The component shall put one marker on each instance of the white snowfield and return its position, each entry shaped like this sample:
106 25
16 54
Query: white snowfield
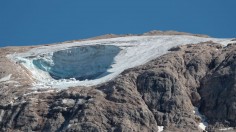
93 62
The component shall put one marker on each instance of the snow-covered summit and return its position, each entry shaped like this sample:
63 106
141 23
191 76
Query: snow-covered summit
93 62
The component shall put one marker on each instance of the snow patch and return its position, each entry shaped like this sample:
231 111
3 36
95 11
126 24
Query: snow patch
69 102
81 101
202 124
69 126
1 115
17 85
6 78
160 128
12 103
39 92
93 62
226 129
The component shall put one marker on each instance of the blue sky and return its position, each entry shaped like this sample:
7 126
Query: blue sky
31 22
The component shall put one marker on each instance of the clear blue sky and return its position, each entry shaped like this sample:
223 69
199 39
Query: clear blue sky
30 22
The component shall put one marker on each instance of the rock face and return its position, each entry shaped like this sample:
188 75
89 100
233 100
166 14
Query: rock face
162 92
218 88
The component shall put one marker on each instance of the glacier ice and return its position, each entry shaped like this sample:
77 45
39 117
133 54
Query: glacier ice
92 62
81 63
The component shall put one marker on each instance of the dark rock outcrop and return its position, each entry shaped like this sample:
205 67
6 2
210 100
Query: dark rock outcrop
218 88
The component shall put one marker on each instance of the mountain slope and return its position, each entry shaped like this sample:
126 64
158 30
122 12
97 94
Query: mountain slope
155 89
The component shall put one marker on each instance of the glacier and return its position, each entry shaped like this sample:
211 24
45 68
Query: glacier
79 63
92 62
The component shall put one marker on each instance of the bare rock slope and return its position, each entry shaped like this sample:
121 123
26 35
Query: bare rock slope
164 92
